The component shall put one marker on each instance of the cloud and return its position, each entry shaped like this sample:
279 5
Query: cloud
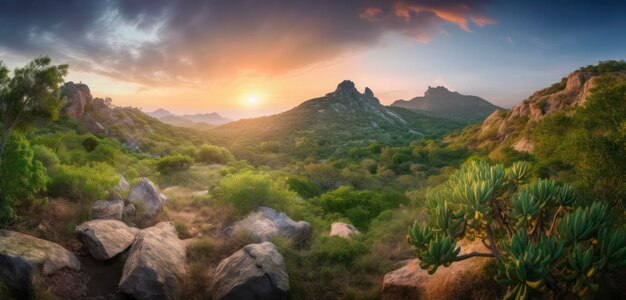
194 42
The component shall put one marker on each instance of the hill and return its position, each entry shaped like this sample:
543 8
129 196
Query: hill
442 103
337 120
206 120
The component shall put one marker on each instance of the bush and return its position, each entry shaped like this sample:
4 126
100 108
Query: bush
336 250
21 176
90 143
303 186
85 183
46 156
174 163
210 154
248 190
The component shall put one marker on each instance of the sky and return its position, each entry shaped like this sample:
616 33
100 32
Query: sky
246 58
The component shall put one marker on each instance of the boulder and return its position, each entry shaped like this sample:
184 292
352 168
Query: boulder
146 195
22 256
129 211
155 264
255 272
77 98
112 210
267 223
344 230
453 282
105 239
120 191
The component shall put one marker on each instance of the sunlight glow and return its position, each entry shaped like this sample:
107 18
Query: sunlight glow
252 100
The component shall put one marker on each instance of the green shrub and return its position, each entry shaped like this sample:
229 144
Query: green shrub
174 163
85 183
46 156
336 250
210 154
303 186
90 143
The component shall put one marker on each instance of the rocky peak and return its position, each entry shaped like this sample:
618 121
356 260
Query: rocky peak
368 93
435 91
78 98
346 88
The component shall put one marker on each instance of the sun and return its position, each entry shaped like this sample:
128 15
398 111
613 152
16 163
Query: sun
252 100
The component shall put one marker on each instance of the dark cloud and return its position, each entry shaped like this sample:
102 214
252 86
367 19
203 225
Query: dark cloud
160 41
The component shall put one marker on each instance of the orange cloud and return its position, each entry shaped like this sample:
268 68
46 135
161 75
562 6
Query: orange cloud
457 14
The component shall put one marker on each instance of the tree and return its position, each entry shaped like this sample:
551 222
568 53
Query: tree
174 163
29 96
211 154
541 242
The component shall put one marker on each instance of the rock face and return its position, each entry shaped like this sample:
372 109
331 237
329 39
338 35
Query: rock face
112 210
78 98
255 272
155 264
267 223
120 191
454 282
344 230
106 238
147 197
22 256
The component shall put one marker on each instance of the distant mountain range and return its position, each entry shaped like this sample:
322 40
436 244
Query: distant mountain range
442 103
342 117
197 120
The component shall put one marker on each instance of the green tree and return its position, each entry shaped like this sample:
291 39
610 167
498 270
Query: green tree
211 154
22 177
28 96
541 242
174 163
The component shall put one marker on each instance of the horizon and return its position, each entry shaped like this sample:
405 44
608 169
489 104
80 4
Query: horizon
192 56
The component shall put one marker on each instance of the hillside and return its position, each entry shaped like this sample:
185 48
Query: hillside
339 118
513 128
440 102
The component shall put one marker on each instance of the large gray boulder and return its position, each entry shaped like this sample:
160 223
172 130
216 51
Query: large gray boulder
105 239
120 191
155 264
147 199
343 230
267 223
23 256
255 272
111 210
77 98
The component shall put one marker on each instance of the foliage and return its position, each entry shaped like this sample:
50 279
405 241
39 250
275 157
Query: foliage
90 143
210 154
21 177
247 191
337 250
540 241
86 183
174 163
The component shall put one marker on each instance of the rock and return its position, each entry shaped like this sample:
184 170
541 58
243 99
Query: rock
78 98
105 239
454 282
155 264
344 230
23 256
147 196
255 272
120 191
267 223
129 211
112 210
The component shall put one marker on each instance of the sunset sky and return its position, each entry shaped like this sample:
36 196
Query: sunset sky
246 58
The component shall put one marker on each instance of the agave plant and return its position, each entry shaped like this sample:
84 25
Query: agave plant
541 241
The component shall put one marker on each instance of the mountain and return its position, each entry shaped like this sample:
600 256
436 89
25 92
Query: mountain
440 102
206 120
513 128
338 119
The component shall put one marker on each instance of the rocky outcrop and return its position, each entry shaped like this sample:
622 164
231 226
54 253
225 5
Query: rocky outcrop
255 272
344 230
24 257
105 239
148 199
78 98
267 223
112 210
120 191
453 282
155 264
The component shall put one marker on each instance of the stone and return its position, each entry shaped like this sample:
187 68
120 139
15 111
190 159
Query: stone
267 223
23 256
129 211
344 230
453 282
155 264
112 210
120 191
147 197
255 272
77 98
105 239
